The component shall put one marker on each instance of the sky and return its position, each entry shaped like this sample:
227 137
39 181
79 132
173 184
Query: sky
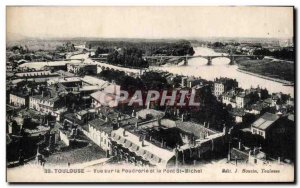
150 22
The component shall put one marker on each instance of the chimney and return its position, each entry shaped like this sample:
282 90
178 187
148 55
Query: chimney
136 125
224 130
240 145
143 144
204 123
124 132
162 143
182 117
208 125
278 160
249 156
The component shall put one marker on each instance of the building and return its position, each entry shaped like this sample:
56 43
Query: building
36 74
90 80
241 100
87 69
238 115
263 124
136 150
190 81
19 99
246 155
99 131
65 81
48 104
228 98
107 97
222 85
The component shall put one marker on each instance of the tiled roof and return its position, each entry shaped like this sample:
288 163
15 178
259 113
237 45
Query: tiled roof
101 125
154 154
265 121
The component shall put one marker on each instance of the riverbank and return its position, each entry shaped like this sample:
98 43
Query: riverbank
266 77
277 70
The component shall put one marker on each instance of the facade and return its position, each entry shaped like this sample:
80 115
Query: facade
18 99
81 68
36 74
53 105
241 100
136 150
99 132
222 85
229 99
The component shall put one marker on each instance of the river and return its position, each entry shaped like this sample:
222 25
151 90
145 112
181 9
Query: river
220 68
196 67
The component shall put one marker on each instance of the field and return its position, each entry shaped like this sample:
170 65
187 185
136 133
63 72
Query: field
267 67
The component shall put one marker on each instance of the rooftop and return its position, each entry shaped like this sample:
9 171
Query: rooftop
265 121
95 81
154 154
106 99
196 129
101 125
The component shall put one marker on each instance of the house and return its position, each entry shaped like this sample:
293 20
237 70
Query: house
48 104
82 68
90 80
228 98
222 85
135 149
238 115
99 131
246 155
263 124
241 100
107 97
190 81
36 74
19 99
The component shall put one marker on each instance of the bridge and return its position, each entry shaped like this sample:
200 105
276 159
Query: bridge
80 59
208 57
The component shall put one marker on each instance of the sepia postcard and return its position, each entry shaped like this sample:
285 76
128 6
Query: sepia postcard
150 94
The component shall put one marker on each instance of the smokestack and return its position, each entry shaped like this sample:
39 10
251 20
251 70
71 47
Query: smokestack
143 144
249 156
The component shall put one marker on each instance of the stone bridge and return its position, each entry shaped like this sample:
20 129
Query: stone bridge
208 57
